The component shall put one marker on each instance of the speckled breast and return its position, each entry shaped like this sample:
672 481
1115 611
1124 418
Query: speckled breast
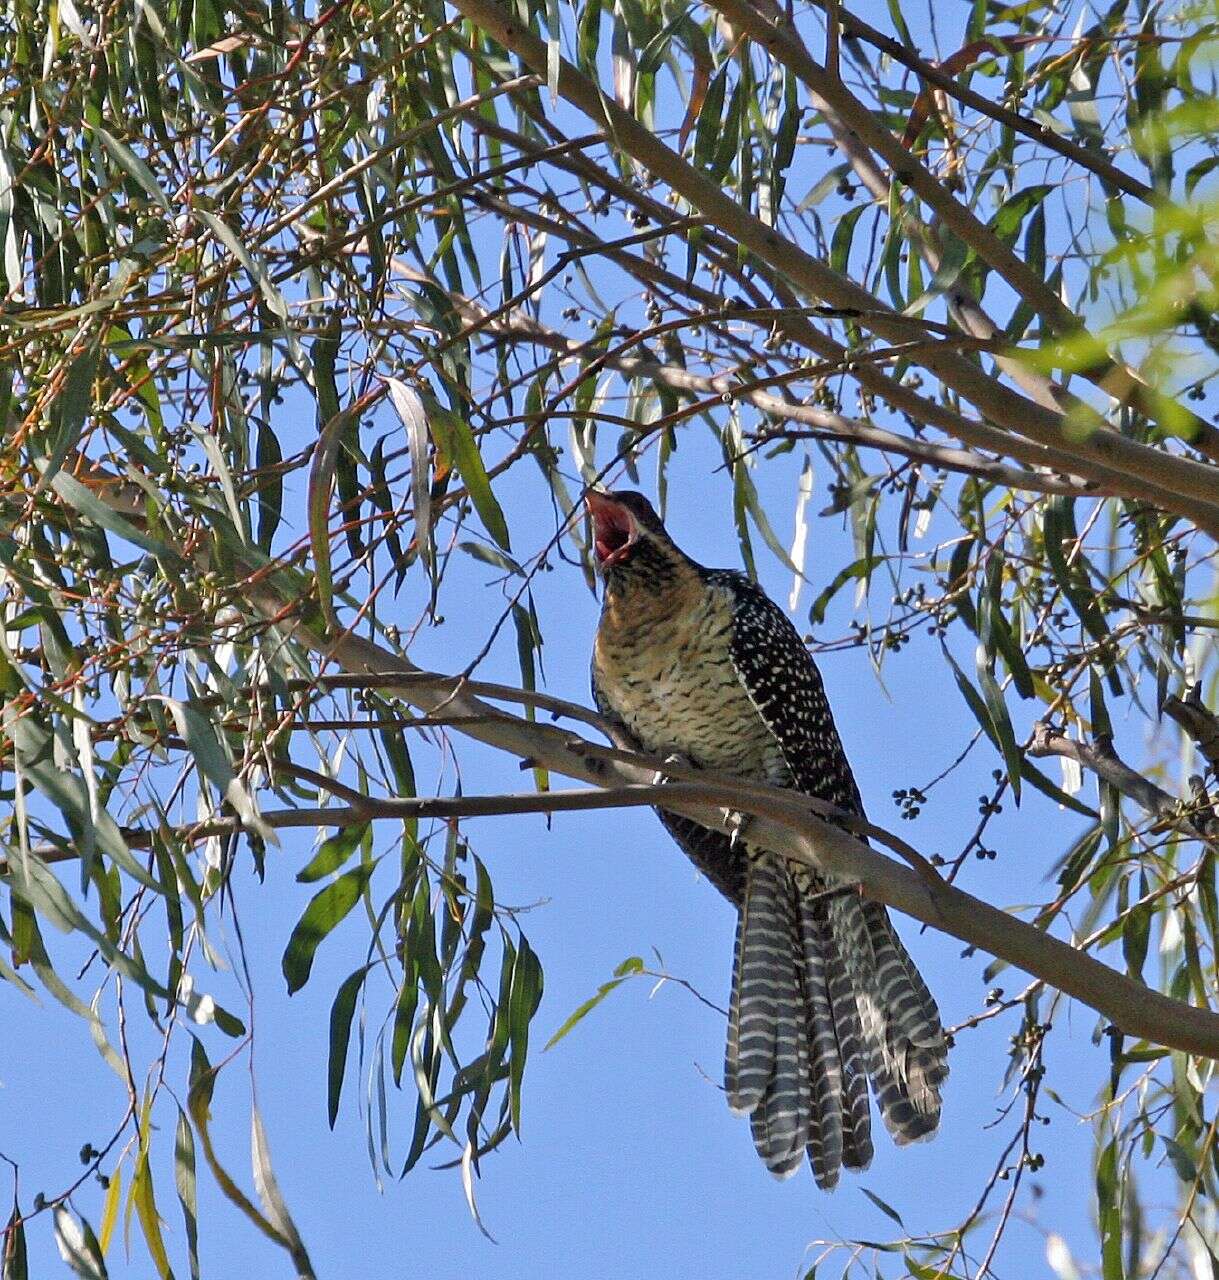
671 679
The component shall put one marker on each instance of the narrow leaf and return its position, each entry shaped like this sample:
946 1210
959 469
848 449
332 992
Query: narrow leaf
324 912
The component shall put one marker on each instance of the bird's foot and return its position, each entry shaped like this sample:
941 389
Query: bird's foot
673 758
738 823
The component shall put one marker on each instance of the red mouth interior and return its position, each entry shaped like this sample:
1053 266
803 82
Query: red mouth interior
613 531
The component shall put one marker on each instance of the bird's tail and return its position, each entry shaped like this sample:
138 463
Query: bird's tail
906 1049
824 997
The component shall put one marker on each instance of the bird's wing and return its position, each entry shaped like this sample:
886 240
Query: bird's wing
783 683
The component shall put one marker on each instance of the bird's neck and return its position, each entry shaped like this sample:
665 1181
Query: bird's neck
641 594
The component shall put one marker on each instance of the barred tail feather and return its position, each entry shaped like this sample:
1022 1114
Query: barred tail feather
794 1060
824 1000
903 1039
843 1133
760 983
780 1122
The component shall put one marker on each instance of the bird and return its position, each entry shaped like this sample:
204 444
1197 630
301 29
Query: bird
699 664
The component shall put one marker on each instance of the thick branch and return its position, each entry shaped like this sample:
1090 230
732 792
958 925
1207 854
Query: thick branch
785 823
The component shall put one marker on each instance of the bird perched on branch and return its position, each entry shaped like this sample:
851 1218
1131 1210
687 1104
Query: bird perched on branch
700 663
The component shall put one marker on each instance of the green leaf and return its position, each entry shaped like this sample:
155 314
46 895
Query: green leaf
334 851
404 1012
1058 529
68 793
393 743
75 494
410 409
34 884
729 134
270 493
981 709
956 257
254 269
78 1246
203 1084
854 572
321 487
71 408
324 352
523 999
887 1210
325 910
1034 776
1109 1213
760 519
1183 1163
16 1257
133 166
186 1187
996 707
707 133
459 446
341 1013
827 183
1136 932
993 629
272 1198
144 1199
1012 212
840 245
632 965
203 742
922 1270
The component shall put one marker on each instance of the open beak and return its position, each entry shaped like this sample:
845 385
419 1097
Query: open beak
614 529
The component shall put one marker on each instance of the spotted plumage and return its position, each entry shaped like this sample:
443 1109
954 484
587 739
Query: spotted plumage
700 663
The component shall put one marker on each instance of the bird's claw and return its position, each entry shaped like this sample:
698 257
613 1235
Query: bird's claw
738 823
672 758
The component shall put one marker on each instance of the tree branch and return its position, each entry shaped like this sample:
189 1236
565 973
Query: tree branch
782 821
1086 157
785 45
851 117
1100 757
1199 722
825 422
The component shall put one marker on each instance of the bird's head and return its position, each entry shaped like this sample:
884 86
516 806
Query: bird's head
629 541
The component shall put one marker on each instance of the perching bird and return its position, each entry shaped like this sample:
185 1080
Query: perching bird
700 663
